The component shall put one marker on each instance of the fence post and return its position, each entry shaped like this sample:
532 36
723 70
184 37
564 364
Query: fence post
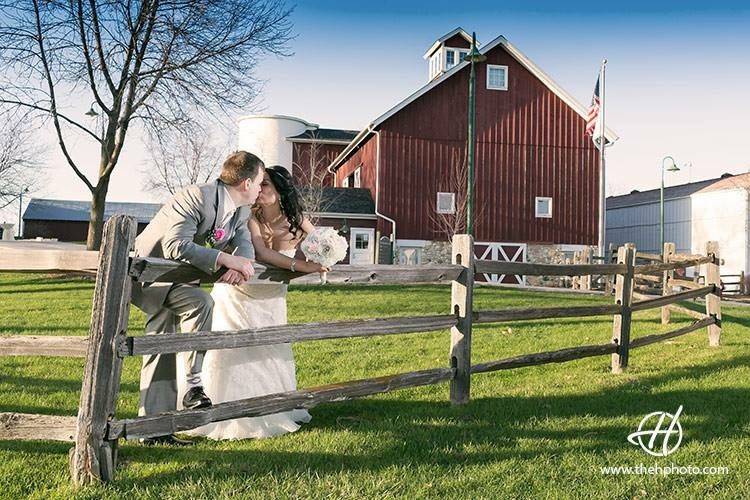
742 282
623 297
586 258
608 279
713 300
93 457
666 283
462 294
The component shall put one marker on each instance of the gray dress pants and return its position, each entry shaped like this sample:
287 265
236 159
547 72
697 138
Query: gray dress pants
190 308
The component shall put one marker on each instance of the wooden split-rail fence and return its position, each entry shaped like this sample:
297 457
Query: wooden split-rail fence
98 428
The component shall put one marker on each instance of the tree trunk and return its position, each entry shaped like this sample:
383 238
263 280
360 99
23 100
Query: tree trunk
96 215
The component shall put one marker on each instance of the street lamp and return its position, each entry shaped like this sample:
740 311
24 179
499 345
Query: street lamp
20 207
672 168
474 57
91 112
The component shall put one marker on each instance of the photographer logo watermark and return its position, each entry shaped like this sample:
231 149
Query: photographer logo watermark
659 433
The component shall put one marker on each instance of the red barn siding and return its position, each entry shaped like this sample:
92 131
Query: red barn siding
529 143
457 42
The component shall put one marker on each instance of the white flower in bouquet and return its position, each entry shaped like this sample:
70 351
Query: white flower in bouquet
326 247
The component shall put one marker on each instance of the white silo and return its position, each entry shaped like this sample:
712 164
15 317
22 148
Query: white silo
265 136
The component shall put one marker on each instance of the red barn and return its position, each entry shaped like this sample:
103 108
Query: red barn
537 175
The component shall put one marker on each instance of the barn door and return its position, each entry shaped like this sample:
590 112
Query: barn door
503 252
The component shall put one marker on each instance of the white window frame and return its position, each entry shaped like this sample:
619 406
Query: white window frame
536 207
452 210
345 182
358 177
452 52
497 66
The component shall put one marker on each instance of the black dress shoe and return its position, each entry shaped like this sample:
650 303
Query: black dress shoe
169 439
195 398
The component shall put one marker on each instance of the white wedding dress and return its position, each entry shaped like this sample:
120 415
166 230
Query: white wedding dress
245 372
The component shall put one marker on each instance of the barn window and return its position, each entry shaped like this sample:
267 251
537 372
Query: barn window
462 54
543 207
446 203
450 59
345 182
357 178
497 77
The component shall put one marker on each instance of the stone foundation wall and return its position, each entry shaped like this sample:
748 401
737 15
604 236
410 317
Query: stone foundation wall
436 252
550 254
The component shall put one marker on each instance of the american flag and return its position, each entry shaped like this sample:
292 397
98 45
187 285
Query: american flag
593 116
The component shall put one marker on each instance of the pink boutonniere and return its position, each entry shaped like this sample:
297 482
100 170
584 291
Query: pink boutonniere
216 236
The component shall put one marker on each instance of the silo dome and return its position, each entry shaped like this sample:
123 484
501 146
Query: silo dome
266 137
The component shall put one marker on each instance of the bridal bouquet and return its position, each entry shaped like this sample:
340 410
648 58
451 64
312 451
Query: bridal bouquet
326 247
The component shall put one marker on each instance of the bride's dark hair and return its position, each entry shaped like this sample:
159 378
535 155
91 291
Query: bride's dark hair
289 197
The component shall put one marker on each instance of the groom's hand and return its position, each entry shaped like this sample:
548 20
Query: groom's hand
232 277
238 264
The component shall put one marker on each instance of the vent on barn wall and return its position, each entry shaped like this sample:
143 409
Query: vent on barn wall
446 203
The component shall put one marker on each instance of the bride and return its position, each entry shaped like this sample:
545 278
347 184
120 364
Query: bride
277 227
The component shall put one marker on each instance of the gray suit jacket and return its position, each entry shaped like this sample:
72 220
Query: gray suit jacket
179 232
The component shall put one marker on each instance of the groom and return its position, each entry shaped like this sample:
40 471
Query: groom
205 226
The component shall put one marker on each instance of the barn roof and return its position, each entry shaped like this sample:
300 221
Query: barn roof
78 211
335 200
347 201
515 53
726 181
328 135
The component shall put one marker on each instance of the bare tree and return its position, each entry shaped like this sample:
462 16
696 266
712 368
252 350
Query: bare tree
181 157
154 62
312 176
20 158
445 225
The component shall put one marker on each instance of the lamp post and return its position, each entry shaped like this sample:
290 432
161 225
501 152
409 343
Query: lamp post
474 57
20 207
672 168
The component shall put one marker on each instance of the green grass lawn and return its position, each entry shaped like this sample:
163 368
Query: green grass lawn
536 432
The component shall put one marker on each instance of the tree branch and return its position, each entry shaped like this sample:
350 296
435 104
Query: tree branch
53 105
39 108
87 57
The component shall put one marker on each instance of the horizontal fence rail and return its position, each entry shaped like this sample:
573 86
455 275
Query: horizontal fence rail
181 342
529 269
42 345
674 264
652 339
24 426
154 270
586 351
649 256
544 313
30 260
541 358
671 299
168 423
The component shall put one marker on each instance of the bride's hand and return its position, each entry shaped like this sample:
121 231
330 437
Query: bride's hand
310 267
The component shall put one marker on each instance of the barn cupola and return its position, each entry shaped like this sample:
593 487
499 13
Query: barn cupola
447 51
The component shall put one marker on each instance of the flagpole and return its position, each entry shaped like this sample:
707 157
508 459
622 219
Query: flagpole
602 172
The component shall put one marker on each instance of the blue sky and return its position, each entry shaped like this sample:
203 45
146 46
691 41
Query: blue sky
677 81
